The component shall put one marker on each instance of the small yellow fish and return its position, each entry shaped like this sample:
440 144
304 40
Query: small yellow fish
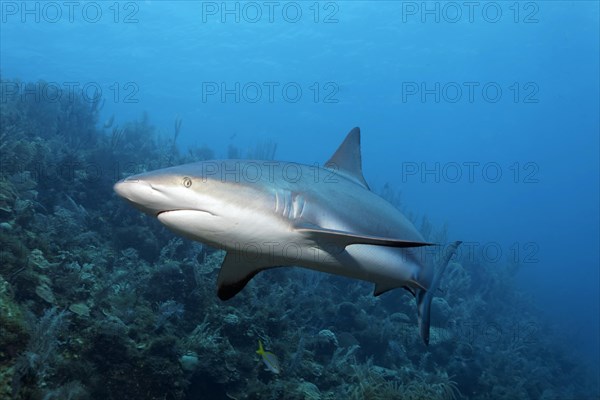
269 359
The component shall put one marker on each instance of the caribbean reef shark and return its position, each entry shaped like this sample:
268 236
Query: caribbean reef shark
267 214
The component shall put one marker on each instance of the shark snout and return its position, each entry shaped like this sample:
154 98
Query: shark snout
142 195
131 189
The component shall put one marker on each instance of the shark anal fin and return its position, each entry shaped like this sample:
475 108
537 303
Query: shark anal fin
347 160
343 239
236 271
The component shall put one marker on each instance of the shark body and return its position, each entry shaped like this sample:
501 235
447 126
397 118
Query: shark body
267 214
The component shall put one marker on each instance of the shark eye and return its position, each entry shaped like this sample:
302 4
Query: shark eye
187 182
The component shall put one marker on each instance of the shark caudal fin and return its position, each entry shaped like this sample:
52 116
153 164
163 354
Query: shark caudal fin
424 297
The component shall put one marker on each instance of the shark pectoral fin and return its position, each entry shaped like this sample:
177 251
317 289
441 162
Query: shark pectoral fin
381 288
343 239
236 271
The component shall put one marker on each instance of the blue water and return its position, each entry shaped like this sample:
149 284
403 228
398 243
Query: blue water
486 121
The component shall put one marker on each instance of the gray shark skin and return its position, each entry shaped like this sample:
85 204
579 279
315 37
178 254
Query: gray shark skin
267 214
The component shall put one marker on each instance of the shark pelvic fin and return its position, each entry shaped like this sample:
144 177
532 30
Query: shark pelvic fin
343 239
424 297
236 271
347 160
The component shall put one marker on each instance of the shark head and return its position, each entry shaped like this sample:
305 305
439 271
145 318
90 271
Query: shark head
179 197
203 201
165 190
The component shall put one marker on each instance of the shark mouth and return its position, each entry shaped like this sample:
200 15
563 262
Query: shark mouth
183 211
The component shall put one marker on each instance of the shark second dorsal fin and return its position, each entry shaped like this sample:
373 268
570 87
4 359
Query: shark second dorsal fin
347 160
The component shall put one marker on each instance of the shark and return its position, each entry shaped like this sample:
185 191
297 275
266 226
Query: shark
268 214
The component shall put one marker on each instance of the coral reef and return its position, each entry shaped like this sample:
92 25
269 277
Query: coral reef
98 301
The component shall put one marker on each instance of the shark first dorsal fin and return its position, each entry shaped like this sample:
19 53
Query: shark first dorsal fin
347 160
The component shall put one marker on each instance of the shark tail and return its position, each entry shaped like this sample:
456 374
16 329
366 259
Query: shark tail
424 297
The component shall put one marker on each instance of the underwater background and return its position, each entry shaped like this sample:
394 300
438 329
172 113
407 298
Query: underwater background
480 121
